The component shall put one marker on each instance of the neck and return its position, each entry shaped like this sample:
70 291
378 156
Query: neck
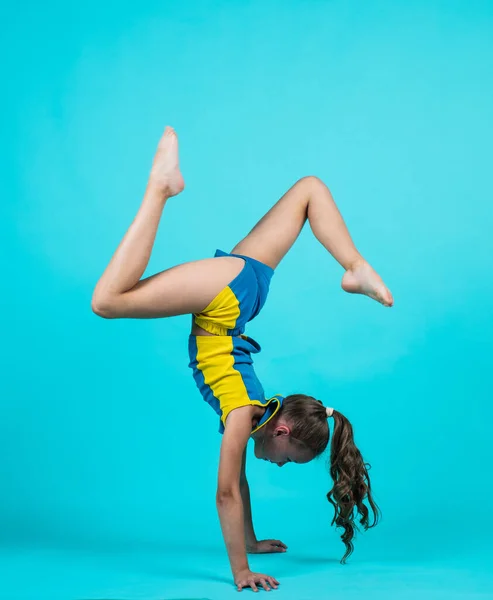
259 435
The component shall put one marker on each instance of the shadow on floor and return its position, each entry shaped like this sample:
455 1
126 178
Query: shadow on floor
313 560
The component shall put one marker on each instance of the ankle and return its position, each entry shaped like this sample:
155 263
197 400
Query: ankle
355 263
157 191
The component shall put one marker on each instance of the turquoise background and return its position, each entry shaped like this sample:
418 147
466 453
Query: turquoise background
109 455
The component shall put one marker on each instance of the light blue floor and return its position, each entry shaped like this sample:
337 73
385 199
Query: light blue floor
39 573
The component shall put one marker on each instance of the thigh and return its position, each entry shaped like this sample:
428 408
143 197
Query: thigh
276 232
183 289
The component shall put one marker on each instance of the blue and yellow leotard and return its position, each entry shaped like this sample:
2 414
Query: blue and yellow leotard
222 364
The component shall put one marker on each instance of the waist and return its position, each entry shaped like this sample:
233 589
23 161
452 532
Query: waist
202 326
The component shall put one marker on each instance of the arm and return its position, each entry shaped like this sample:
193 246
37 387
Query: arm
253 545
229 500
250 537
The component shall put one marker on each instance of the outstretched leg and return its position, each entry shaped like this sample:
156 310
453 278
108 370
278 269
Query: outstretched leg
310 199
186 288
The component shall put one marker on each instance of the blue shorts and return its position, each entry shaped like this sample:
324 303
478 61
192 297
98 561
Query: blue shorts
221 363
240 301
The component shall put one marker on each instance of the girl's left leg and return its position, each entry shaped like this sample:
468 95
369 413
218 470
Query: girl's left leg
309 199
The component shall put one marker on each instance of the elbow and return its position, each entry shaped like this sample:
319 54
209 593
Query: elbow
226 497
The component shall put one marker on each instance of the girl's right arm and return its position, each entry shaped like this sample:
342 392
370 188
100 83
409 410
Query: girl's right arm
228 499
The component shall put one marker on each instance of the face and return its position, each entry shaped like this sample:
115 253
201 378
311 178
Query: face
277 446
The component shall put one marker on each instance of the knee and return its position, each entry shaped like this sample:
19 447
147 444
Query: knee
103 307
311 179
311 182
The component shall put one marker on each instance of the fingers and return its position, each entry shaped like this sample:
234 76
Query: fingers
265 585
266 581
273 582
278 545
247 583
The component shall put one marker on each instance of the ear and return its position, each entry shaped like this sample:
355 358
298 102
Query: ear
282 430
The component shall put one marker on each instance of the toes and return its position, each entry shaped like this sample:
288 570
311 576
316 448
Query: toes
386 297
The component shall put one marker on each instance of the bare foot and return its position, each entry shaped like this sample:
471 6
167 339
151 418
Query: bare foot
165 172
362 279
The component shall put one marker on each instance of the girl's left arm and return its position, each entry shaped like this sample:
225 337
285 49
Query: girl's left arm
253 545
250 537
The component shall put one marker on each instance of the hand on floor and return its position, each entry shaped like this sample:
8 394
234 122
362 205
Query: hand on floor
266 546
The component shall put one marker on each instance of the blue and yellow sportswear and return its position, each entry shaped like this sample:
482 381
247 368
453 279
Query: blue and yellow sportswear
222 363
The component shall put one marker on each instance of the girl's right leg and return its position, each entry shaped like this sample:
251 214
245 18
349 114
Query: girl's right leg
186 288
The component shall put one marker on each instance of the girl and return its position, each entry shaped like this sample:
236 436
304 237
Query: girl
222 294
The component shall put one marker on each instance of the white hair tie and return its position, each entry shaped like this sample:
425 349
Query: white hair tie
329 411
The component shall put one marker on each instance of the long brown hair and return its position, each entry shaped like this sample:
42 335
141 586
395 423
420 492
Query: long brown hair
309 426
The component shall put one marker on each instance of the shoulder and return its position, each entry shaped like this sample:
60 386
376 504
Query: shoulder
235 438
244 416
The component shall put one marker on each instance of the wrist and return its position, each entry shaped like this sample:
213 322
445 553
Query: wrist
251 544
237 569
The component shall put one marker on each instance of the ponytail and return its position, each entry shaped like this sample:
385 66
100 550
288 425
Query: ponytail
351 484
309 421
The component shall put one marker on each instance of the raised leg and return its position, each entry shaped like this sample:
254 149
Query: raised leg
186 288
310 199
